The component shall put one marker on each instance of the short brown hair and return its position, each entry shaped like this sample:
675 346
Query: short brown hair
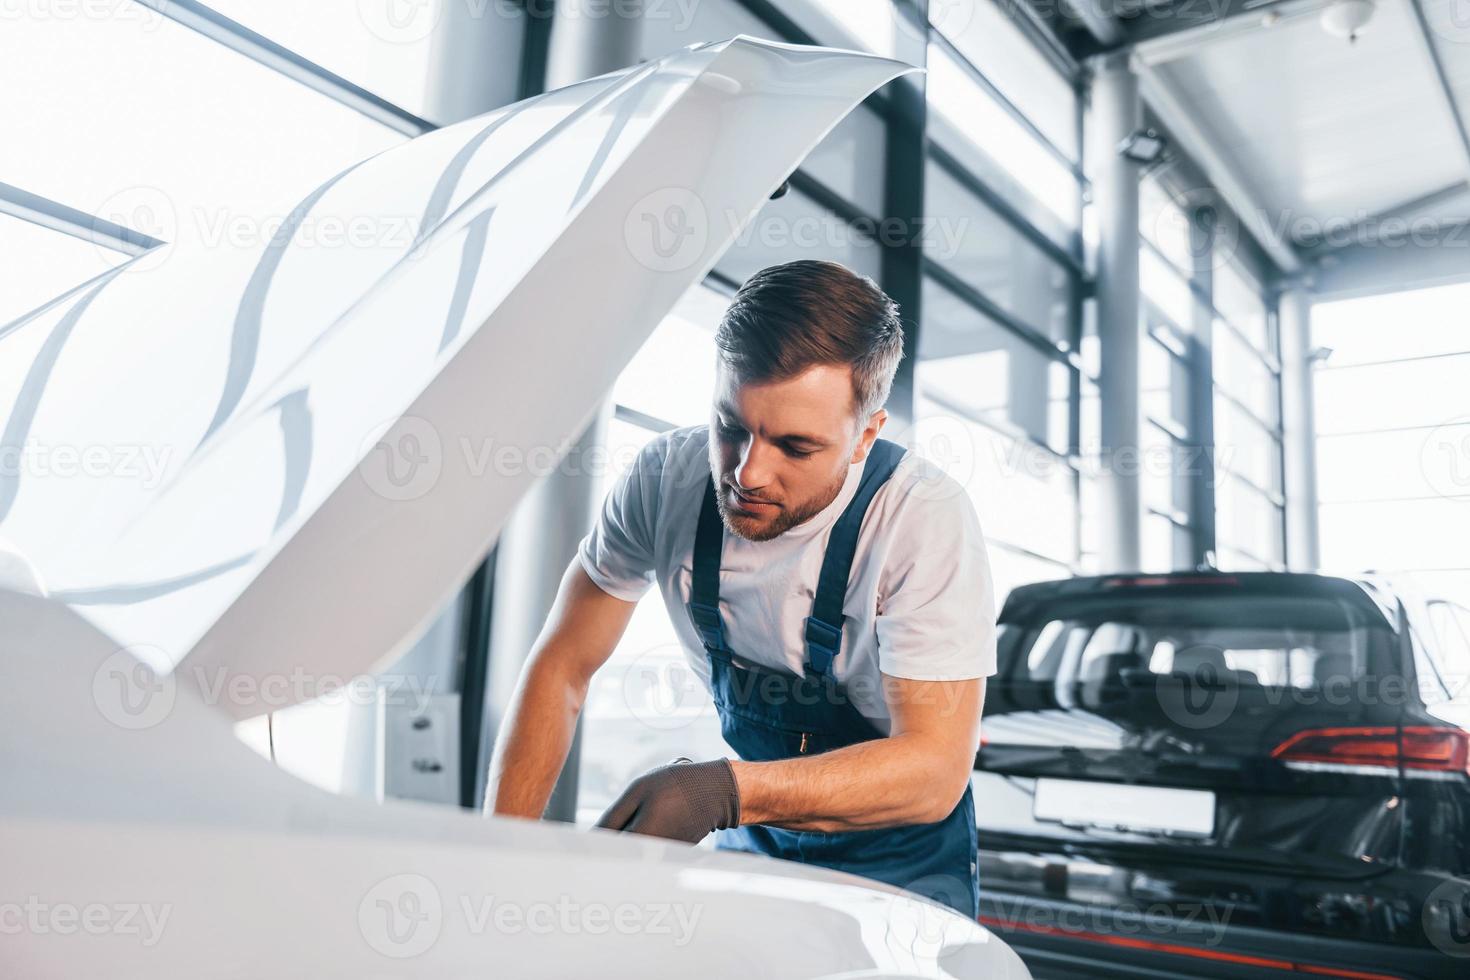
788 318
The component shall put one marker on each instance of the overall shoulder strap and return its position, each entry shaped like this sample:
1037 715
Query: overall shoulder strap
823 632
704 589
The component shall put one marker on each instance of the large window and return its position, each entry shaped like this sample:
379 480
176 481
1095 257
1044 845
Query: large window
186 140
1171 461
990 253
997 376
391 48
1249 495
972 121
982 370
1393 444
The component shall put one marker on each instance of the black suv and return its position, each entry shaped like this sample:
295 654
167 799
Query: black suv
1228 775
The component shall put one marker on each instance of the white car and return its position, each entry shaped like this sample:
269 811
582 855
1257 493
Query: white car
310 509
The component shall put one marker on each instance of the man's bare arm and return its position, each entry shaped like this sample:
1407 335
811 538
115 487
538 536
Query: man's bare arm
581 632
915 775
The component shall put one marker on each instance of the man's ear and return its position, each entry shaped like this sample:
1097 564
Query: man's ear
864 445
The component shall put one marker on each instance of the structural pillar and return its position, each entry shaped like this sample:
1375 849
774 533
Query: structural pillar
1298 429
1204 221
1116 113
470 51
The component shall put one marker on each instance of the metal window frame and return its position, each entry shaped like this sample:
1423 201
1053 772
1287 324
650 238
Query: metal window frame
1278 506
262 50
1011 109
978 301
58 217
1069 259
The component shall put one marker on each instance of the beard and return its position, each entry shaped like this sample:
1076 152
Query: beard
788 515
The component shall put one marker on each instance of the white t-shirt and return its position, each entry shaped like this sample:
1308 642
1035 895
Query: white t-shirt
919 604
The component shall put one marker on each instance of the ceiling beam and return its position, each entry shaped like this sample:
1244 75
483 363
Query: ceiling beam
1044 23
1221 172
1376 268
1157 39
1372 229
1446 92
1099 21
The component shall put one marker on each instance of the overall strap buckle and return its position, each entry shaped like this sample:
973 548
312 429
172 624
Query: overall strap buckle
708 624
823 641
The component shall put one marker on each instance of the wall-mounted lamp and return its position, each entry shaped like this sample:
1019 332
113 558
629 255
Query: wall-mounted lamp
1143 146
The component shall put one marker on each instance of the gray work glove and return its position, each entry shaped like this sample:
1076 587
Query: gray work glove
681 801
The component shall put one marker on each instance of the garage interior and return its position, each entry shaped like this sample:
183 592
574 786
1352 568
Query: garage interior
1185 289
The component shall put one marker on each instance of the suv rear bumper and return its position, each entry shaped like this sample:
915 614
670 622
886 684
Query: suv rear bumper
1066 940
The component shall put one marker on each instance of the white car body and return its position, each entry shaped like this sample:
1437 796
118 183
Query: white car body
276 388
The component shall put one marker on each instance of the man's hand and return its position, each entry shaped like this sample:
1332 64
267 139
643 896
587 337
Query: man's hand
682 801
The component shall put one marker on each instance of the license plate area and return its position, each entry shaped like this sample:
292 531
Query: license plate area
1109 806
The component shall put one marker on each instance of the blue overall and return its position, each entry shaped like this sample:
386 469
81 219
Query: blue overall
774 714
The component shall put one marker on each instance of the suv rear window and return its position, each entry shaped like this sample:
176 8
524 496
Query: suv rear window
1255 640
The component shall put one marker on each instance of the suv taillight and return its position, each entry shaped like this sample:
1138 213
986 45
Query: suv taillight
1419 748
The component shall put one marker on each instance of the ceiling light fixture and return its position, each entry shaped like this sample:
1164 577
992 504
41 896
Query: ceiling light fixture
1347 18
1143 146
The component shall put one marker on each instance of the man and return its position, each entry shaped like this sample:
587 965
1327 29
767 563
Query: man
844 625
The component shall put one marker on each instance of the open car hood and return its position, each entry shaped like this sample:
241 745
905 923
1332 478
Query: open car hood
141 839
287 457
